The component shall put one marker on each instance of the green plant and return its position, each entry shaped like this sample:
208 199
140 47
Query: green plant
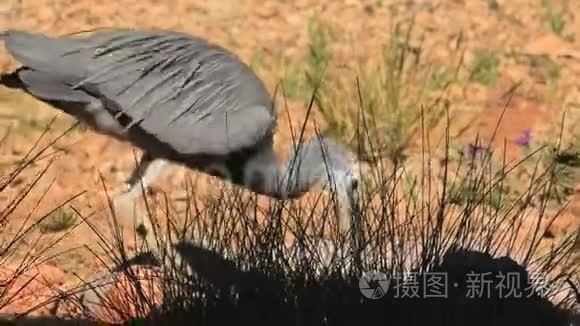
440 77
58 221
563 165
292 79
472 190
292 259
480 178
556 22
387 97
319 52
296 76
559 149
555 19
485 67
18 256
269 253
257 60
492 4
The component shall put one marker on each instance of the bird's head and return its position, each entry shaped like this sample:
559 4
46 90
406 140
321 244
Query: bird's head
320 161
346 178
329 163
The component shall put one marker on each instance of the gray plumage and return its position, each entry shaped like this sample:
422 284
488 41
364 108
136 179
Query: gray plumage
176 96
177 88
180 99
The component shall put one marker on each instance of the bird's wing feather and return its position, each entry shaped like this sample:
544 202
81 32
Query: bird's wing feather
46 87
48 54
191 95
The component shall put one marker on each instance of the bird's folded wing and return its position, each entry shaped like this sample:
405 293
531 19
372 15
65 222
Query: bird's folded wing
191 95
45 87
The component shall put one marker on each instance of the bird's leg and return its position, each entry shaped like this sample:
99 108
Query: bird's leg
145 173
148 169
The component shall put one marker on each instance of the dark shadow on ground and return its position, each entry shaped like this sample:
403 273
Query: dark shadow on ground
250 297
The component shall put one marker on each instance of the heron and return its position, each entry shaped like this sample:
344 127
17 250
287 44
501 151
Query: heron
180 99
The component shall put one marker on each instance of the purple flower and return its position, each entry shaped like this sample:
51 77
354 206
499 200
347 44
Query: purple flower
526 138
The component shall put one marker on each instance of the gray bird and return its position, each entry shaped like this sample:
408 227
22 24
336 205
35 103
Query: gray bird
180 99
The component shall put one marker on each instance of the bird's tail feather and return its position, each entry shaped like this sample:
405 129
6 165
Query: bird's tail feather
41 52
28 48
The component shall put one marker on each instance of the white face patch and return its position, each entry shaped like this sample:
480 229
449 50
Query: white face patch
346 183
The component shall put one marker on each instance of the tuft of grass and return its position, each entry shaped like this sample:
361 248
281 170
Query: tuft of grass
319 52
292 79
469 191
556 21
58 221
13 245
257 60
271 262
485 67
558 149
565 177
565 171
440 77
297 75
492 4
389 97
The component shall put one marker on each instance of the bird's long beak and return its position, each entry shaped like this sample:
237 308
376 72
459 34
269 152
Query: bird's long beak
349 213
355 219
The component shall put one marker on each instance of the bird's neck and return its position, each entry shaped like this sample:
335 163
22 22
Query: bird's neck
304 168
263 173
307 165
